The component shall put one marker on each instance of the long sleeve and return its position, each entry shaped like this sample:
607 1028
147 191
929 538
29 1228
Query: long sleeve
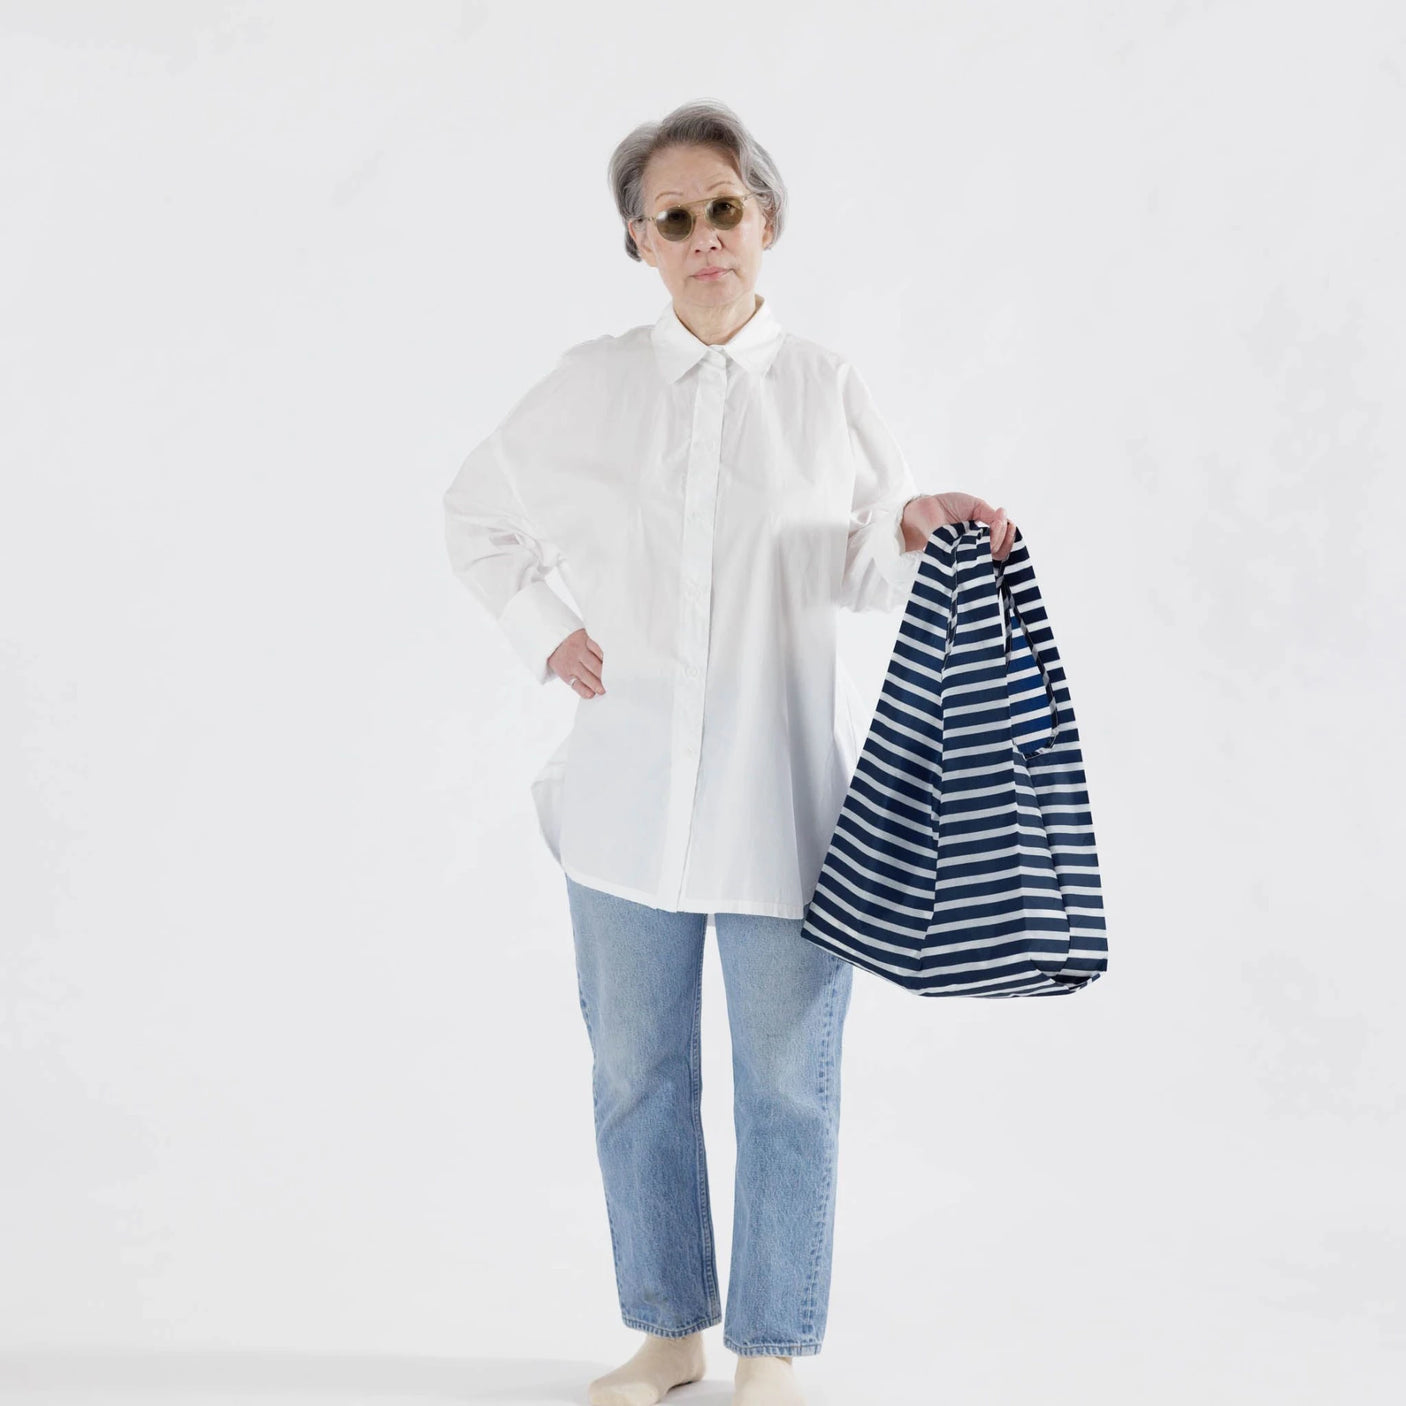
879 571
501 557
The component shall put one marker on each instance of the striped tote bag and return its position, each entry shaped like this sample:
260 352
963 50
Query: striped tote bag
963 860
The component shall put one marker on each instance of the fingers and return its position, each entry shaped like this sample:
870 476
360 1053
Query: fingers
586 671
581 667
1002 529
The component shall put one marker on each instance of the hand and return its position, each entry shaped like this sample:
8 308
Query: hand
926 513
578 661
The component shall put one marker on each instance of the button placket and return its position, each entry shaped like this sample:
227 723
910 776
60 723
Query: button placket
696 568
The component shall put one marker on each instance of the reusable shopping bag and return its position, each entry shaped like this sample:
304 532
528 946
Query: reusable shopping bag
963 862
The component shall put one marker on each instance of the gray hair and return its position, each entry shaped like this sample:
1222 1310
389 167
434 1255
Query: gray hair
695 124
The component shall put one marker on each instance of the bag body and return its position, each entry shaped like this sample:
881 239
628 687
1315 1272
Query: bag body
963 860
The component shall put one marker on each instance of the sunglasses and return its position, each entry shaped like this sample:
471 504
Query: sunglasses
721 211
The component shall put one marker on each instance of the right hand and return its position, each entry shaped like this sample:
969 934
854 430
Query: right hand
578 657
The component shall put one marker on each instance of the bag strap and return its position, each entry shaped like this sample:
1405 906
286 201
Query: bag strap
1009 608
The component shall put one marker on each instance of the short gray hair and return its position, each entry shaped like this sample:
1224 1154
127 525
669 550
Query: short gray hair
695 124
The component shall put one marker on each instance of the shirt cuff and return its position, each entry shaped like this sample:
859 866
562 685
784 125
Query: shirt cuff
536 621
900 566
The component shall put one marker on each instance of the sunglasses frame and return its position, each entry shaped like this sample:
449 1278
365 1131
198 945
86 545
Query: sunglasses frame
688 206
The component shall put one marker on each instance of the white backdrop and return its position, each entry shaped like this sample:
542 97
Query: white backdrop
291 1062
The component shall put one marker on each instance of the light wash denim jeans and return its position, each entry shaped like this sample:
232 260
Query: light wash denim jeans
639 973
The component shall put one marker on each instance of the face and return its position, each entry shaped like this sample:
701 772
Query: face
675 177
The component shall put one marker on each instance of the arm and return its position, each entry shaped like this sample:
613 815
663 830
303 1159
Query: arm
880 560
497 552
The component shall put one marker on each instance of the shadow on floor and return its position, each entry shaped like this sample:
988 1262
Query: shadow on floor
290 1376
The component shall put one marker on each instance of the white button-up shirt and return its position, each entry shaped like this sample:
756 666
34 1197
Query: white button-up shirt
710 509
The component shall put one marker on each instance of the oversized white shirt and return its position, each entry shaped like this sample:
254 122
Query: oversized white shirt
710 509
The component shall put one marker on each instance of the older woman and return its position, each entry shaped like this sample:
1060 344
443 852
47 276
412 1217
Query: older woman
713 488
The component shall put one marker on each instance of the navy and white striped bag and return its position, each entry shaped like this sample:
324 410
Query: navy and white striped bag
963 860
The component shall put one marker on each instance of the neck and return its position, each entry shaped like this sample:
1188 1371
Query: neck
715 325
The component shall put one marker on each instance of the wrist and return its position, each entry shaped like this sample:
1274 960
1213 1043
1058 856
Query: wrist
913 534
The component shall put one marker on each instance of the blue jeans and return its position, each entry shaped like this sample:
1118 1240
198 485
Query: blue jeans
639 972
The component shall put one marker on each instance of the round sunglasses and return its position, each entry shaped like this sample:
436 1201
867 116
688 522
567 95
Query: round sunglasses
721 211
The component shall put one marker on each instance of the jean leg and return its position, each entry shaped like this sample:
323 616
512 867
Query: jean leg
787 1001
639 974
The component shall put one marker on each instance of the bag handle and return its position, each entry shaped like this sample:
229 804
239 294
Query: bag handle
1006 598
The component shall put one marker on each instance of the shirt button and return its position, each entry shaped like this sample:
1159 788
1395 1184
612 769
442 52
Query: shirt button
693 671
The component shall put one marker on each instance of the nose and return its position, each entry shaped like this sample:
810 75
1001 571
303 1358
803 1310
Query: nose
704 238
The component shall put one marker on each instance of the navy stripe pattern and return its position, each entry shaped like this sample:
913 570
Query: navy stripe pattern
963 859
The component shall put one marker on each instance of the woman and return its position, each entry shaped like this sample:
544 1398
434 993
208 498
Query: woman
713 488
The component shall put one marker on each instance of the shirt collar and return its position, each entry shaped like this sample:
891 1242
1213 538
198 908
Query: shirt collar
754 345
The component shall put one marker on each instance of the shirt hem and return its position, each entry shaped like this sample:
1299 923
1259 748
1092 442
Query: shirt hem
720 905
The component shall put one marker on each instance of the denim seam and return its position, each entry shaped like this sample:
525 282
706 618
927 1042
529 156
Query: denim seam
595 1118
808 1348
609 1214
707 1321
822 1206
710 1282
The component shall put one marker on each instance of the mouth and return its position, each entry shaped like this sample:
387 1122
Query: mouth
711 273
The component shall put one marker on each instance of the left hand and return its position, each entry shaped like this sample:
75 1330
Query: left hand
929 511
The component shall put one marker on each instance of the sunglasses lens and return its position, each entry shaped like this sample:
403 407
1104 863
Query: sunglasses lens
674 224
677 223
724 213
